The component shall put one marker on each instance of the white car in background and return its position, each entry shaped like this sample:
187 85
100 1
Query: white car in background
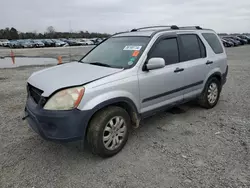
86 42
4 42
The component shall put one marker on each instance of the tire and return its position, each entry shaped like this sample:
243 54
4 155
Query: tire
101 127
209 102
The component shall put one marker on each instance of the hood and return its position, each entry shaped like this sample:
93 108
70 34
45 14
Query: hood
67 75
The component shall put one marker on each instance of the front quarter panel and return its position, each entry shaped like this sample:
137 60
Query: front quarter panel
95 94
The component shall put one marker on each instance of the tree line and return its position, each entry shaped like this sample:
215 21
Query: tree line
12 33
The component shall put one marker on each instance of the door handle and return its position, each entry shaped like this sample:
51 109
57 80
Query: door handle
178 70
209 62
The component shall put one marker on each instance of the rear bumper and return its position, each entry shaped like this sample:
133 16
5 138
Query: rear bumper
57 125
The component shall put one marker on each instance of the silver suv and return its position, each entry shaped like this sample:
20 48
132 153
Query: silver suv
129 76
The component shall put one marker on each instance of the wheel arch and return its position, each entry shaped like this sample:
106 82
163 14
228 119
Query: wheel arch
215 73
122 102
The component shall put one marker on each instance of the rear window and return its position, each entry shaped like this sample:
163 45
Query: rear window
214 42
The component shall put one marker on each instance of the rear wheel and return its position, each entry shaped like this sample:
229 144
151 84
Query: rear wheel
211 93
108 131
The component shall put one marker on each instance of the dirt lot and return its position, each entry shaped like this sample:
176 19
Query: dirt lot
196 148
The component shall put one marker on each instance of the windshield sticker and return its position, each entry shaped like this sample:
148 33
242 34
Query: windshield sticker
130 63
132 59
132 48
135 53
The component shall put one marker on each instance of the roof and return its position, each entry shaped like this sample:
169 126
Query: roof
150 31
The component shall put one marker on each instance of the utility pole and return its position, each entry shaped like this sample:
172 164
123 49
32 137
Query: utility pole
70 35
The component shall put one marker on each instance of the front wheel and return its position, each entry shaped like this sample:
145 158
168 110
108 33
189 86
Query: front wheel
108 131
211 93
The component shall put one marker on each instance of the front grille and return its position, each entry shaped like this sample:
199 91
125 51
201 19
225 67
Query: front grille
34 93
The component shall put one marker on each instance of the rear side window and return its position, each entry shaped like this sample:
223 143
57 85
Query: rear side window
214 42
192 48
168 50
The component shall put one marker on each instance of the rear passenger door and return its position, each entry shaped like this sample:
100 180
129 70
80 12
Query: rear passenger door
193 56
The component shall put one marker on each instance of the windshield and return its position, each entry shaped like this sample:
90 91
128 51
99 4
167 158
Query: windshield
117 52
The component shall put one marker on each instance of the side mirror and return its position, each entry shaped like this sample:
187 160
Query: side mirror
155 63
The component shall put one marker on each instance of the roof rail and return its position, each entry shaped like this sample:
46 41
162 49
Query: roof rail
159 26
190 27
166 26
118 33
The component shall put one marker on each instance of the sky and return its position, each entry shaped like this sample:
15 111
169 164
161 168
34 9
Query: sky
112 16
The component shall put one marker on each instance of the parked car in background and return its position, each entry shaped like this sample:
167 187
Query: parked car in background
86 42
72 42
58 43
48 43
96 41
64 40
100 40
227 43
79 42
243 41
15 44
4 42
227 40
230 42
236 42
38 43
27 44
245 37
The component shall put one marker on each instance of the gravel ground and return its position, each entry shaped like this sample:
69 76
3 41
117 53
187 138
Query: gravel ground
67 53
191 147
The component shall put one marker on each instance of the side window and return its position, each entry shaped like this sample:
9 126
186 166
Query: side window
190 47
214 42
168 50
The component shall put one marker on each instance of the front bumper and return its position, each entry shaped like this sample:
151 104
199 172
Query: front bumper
65 126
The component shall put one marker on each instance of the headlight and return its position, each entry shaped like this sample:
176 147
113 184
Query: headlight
65 99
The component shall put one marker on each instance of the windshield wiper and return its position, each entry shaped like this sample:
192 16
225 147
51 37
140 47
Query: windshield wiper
100 64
